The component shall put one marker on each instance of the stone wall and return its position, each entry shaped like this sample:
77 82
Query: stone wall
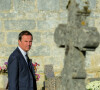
93 57
40 17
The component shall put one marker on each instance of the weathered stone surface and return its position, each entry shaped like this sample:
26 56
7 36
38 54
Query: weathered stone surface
53 83
91 23
2 61
0 25
93 79
55 52
88 59
92 4
5 5
78 84
49 72
64 15
58 82
49 38
2 37
50 84
51 16
36 37
73 69
40 51
51 5
77 19
3 80
7 15
24 5
75 38
95 15
12 38
20 24
6 51
56 60
46 25
59 35
63 4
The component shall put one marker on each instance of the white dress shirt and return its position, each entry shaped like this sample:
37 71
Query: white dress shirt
23 53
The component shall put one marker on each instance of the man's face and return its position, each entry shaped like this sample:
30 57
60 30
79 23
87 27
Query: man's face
26 42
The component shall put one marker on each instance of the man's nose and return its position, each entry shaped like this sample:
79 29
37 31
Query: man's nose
29 43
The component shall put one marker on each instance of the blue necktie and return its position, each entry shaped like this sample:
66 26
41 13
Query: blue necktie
27 58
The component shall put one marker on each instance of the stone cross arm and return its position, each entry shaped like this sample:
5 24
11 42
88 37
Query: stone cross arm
85 37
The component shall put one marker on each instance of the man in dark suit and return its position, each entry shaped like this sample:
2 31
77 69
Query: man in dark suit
21 74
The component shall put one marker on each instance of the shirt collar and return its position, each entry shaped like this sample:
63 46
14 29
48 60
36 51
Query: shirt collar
22 51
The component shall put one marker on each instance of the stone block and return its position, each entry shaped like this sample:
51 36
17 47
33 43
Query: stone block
3 80
12 38
57 51
7 15
2 61
5 5
92 4
59 34
2 37
88 59
20 24
58 82
53 83
49 72
46 25
0 25
36 37
46 5
78 84
55 62
40 51
47 38
93 79
6 51
91 23
51 15
24 5
64 14
64 4
50 84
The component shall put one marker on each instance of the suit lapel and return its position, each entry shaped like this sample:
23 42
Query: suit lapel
25 63
23 59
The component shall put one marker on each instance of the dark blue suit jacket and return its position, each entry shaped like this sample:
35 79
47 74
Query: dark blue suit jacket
20 77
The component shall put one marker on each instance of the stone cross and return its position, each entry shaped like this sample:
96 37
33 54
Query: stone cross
49 77
77 38
48 70
52 82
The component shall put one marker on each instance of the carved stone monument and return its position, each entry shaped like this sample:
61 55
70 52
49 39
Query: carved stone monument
77 38
49 77
51 82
